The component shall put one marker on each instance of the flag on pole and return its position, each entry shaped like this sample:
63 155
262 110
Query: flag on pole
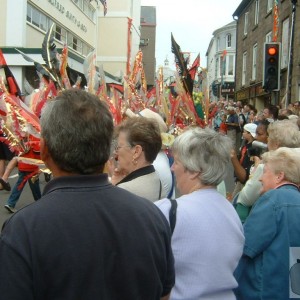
12 84
275 21
223 66
194 68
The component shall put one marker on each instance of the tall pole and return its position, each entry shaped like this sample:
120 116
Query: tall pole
291 51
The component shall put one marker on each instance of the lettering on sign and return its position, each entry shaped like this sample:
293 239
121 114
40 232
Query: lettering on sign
68 14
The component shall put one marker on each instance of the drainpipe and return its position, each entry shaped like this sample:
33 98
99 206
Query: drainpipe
291 51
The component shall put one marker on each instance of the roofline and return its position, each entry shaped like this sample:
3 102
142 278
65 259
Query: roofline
241 8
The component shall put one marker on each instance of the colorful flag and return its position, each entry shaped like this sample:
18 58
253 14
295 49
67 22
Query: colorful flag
194 67
275 21
12 84
181 64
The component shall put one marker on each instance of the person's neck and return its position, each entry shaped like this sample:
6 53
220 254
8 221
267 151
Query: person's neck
199 186
58 172
285 183
140 164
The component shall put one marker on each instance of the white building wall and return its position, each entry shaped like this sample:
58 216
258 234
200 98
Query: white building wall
112 43
15 34
214 55
108 35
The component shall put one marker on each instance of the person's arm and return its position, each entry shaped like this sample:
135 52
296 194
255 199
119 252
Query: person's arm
9 168
251 191
260 227
14 267
239 170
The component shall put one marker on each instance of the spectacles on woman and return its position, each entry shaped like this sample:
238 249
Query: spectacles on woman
119 147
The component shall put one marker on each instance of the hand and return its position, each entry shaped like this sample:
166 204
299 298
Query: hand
257 161
233 154
117 176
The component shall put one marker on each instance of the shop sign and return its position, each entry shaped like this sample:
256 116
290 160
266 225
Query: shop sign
68 14
241 95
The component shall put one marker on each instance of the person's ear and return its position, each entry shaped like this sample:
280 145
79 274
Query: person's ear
138 149
193 175
280 177
44 150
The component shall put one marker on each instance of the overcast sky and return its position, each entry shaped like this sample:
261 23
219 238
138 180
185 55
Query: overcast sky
192 23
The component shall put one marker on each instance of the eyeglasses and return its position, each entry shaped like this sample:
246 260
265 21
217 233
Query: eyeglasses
119 147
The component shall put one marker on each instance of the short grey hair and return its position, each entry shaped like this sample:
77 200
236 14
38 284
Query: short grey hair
285 133
77 128
284 160
205 151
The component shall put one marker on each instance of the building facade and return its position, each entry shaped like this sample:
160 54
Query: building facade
25 28
221 62
80 24
257 23
118 35
147 44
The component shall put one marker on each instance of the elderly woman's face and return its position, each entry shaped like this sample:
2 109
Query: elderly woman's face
124 152
181 176
268 179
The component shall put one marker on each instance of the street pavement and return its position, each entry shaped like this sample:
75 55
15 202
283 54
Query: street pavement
25 199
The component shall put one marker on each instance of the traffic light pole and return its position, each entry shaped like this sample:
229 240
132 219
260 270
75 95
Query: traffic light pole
291 51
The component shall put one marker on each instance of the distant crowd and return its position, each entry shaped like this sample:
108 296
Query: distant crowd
110 223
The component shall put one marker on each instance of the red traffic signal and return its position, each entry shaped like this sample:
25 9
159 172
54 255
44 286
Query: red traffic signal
271 67
272 50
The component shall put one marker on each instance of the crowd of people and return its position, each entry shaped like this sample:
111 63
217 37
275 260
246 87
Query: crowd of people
112 225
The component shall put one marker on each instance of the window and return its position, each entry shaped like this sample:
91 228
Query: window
254 60
228 40
216 67
40 20
60 34
29 13
244 68
44 22
285 43
246 23
37 18
270 5
230 59
222 67
269 37
256 16
218 44
86 8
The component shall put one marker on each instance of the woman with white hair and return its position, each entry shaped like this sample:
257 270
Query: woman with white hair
272 230
284 133
208 238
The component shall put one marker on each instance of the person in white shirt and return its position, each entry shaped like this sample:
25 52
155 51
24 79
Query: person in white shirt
208 237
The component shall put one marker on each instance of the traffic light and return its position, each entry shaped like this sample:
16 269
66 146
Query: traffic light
271 67
215 89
